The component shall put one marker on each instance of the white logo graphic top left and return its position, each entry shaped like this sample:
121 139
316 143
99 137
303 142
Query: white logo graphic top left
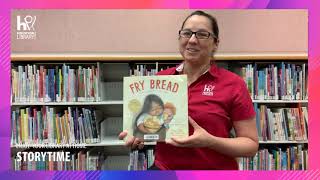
26 27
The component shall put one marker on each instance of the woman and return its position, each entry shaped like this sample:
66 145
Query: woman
218 101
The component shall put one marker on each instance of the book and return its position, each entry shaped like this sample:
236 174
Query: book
290 158
155 108
278 81
43 125
57 84
281 124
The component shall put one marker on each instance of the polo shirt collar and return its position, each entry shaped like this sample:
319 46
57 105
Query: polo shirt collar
213 71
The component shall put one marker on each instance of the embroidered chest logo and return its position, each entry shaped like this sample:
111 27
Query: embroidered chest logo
208 90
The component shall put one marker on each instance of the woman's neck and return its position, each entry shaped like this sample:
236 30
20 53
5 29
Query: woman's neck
194 71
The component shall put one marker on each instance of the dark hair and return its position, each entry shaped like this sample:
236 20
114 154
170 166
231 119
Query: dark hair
213 21
147 106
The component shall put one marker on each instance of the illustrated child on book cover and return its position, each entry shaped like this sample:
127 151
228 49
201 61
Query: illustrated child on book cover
168 113
154 115
150 119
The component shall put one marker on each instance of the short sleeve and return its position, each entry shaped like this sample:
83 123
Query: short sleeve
141 119
241 106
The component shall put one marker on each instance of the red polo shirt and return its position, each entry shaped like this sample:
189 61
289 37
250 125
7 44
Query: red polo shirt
215 100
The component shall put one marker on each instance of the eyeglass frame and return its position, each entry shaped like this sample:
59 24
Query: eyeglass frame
195 33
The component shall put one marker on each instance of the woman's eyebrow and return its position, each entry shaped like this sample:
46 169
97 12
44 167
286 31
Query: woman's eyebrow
201 29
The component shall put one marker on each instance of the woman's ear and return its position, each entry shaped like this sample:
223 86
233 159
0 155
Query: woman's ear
215 45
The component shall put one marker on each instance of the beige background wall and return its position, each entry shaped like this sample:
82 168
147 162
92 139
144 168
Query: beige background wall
155 31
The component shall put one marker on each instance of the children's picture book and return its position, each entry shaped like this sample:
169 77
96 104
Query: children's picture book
155 108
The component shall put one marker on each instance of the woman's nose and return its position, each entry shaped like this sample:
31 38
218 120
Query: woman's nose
193 39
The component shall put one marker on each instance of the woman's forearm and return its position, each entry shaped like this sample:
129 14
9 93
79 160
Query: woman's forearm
234 147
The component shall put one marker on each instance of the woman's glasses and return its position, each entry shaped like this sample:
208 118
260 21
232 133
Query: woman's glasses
199 34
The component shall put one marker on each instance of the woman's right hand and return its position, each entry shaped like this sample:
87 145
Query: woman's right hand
131 142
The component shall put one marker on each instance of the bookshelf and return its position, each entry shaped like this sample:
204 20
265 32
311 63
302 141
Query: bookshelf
119 102
283 142
114 141
100 103
279 101
112 67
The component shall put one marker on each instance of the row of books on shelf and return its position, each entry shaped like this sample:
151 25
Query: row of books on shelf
76 125
282 124
87 159
142 70
292 158
63 83
279 81
141 160
82 160
283 81
146 70
41 125
32 83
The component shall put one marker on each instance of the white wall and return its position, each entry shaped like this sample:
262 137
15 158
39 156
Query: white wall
155 31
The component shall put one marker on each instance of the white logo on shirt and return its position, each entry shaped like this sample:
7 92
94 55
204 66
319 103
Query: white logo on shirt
208 90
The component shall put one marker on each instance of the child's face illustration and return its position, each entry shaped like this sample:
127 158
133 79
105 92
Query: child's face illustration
168 115
156 109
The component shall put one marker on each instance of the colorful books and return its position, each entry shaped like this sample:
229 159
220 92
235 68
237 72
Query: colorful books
283 81
47 126
282 124
62 83
155 108
291 158
140 160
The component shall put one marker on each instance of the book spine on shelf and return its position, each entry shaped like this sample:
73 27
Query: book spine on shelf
292 158
32 83
281 124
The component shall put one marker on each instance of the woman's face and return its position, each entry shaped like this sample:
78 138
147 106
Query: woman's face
156 109
196 50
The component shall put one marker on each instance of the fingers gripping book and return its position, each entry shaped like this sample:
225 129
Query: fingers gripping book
155 108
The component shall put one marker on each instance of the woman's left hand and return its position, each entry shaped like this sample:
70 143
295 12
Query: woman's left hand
199 138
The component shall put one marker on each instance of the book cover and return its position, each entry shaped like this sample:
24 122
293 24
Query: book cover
155 108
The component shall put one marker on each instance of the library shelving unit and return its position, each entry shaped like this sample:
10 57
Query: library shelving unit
109 71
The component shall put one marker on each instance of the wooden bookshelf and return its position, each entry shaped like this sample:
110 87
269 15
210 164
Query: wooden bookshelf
120 102
283 142
98 103
108 141
112 143
279 101
66 57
